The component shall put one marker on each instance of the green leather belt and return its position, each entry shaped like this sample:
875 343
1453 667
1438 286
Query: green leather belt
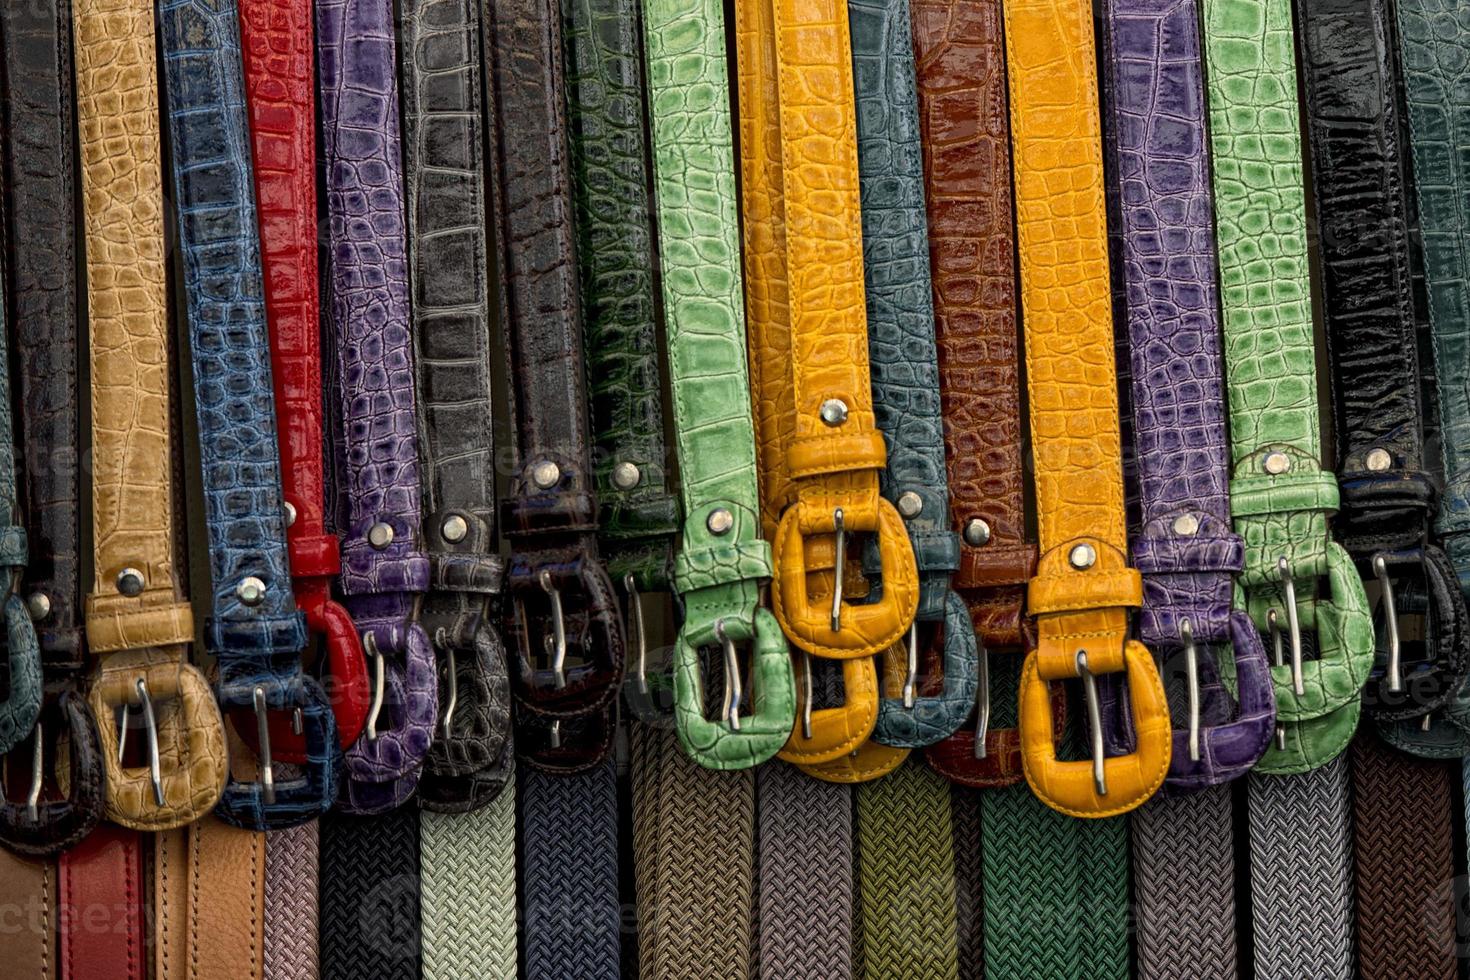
1281 497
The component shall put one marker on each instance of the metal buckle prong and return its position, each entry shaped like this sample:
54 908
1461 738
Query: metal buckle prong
839 528
1293 625
1278 657
806 707
453 701
263 733
635 617
150 724
559 631
370 647
1094 718
556 733
982 706
38 760
1395 661
733 688
1191 676
911 677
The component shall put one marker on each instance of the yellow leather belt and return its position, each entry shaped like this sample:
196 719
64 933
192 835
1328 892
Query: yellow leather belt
137 621
1083 589
820 447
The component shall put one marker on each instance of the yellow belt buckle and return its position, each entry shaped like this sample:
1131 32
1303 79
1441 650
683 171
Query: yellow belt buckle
1080 598
824 734
869 760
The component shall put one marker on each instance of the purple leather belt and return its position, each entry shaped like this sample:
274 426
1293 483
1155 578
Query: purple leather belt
1183 860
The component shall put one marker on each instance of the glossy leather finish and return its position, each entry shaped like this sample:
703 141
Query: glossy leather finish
552 527
360 133
1074 414
40 180
256 644
1279 508
276 47
1186 550
443 130
904 364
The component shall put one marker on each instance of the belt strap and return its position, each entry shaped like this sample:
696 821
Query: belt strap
1431 44
561 591
1349 67
291 905
137 621
604 89
255 632
930 704
1279 496
369 895
31 906
209 882
1083 587
468 890
102 903
960 64
35 42
1182 845
276 46
384 568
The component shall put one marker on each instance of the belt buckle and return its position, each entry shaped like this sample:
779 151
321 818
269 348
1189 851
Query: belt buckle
41 828
181 782
844 629
469 761
823 734
1390 694
735 740
268 804
911 721
560 690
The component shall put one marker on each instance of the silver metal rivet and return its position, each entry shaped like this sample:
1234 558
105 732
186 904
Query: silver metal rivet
290 513
1083 556
1277 463
977 532
250 591
130 582
38 604
910 504
625 476
1379 460
719 521
1186 525
545 474
380 535
454 529
834 411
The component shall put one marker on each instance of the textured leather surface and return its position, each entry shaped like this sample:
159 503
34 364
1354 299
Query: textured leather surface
29 885
1271 374
357 78
276 48
1186 550
209 902
960 67
552 529
609 152
35 43
904 362
145 636
1073 411
719 576
1353 124
257 647
443 128
101 898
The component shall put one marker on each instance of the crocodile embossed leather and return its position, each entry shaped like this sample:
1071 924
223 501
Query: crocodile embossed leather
929 704
276 47
255 632
40 178
1084 587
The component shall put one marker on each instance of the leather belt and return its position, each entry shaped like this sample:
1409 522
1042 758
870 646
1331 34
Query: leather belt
1083 587
255 632
276 38
471 760
21 708
1183 863
384 569
565 606
35 40
1280 498
137 622
1388 498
